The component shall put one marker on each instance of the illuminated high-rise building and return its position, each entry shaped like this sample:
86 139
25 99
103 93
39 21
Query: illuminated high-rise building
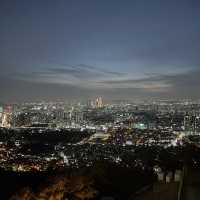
99 102
6 117
92 104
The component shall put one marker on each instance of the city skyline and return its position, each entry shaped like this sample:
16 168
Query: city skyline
119 50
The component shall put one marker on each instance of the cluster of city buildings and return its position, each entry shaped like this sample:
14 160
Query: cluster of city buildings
176 116
51 114
37 136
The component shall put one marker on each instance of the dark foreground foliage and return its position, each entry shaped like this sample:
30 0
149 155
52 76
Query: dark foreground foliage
103 179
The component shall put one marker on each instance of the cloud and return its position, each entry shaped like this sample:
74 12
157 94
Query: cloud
152 83
84 69
80 75
189 81
51 86
104 71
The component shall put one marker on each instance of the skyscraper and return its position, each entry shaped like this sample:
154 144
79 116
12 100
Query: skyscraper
99 102
6 117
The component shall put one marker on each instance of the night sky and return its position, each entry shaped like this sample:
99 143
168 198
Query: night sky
118 49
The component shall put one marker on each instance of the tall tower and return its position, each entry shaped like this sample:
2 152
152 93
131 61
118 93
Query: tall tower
99 102
6 117
6 120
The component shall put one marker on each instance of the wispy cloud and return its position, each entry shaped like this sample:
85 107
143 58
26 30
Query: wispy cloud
87 77
179 85
160 83
84 69
80 75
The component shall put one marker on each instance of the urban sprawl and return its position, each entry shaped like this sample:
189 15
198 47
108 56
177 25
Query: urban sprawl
48 135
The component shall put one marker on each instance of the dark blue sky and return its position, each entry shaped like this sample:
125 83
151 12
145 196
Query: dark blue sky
60 49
